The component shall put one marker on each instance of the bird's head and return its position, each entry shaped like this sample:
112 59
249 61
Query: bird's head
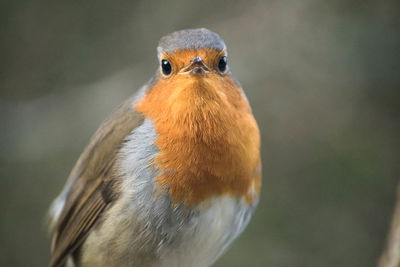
194 52
193 74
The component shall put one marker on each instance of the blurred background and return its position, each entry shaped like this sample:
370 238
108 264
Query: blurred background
323 78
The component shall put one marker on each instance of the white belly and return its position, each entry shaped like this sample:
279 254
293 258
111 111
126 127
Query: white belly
210 233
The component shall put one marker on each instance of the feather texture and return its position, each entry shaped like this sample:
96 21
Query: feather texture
92 184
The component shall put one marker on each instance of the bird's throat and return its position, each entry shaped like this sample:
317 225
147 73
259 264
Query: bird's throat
208 139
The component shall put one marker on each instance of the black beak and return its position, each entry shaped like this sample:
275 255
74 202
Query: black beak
196 67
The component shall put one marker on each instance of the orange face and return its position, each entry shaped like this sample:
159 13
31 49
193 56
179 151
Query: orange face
208 138
182 59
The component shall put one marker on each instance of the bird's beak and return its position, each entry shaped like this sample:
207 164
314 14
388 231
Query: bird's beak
196 67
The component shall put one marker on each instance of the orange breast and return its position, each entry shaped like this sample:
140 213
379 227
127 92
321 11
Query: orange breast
208 138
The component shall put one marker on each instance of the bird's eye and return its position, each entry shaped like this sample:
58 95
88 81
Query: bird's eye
166 67
222 64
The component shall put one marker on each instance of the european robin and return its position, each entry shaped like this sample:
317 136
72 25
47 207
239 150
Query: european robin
172 177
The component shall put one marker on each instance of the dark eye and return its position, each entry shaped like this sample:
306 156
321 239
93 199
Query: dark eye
222 64
166 67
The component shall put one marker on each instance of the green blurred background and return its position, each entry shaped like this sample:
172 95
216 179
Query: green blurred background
323 78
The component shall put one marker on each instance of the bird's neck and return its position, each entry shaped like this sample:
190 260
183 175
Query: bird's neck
208 140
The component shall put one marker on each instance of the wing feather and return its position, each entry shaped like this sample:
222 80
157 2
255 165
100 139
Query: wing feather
92 184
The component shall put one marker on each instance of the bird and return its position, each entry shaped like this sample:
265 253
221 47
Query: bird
172 176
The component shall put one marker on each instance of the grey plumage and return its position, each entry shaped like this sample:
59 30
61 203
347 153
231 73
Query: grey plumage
190 39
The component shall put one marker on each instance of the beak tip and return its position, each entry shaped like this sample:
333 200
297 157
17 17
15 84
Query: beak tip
196 67
196 60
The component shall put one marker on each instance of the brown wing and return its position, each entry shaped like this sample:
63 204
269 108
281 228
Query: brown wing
92 183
